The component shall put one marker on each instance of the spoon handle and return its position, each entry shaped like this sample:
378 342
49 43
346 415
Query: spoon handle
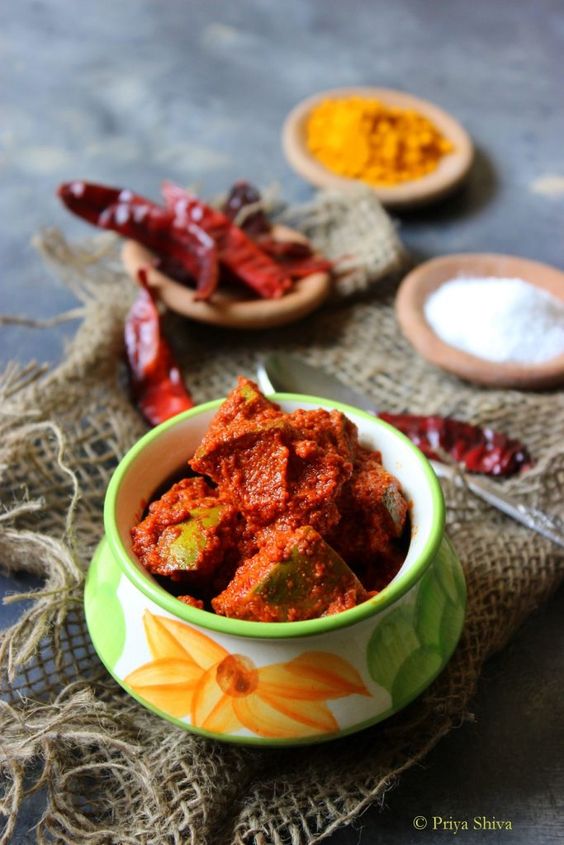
551 527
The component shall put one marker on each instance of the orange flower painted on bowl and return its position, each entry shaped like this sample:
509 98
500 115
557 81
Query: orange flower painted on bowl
193 676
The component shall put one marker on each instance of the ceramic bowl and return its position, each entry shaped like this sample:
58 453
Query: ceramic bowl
273 683
450 173
428 277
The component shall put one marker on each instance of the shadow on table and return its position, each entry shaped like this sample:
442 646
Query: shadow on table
476 192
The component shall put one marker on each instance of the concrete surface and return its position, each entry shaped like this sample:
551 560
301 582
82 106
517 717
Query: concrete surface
134 91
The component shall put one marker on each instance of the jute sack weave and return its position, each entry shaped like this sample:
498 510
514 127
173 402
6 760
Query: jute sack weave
110 771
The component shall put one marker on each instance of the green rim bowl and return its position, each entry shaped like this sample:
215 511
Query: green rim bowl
273 683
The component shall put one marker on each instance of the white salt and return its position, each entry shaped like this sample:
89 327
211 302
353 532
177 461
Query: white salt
501 320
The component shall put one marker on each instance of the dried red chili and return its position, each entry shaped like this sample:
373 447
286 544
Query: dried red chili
156 381
190 239
297 257
284 250
240 255
129 214
476 449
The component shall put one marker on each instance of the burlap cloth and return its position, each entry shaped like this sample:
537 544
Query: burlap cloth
111 771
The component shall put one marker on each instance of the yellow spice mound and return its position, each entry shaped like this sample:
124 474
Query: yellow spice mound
361 138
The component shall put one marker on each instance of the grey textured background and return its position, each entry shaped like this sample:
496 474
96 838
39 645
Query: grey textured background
130 92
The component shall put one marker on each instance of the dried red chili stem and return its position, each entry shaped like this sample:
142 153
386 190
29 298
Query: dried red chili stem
133 216
155 378
235 249
477 449
243 195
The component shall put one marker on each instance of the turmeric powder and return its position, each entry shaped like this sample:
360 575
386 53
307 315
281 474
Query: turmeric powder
362 138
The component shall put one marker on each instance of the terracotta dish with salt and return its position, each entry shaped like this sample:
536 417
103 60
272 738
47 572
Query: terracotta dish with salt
422 282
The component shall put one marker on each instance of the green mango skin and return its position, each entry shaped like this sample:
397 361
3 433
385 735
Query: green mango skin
249 392
291 582
295 576
394 503
185 551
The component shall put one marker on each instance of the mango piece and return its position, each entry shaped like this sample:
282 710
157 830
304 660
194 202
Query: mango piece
289 464
191 601
196 546
244 406
182 545
395 504
373 513
171 508
296 575
251 465
331 430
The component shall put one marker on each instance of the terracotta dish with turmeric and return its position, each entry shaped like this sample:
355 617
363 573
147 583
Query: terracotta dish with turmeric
407 150
363 138
285 516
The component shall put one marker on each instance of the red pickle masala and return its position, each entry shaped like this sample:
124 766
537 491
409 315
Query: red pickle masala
285 517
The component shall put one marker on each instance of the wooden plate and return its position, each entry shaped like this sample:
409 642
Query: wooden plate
225 309
450 172
420 283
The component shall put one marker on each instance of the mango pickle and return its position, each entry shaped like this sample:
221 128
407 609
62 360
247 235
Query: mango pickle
288 519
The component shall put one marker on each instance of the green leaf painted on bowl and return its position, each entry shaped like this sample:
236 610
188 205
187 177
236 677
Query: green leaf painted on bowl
415 674
458 574
451 625
429 609
410 646
444 567
106 619
439 609
393 640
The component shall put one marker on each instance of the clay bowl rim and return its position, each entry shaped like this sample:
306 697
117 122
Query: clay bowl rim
450 173
307 295
394 590
429 276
